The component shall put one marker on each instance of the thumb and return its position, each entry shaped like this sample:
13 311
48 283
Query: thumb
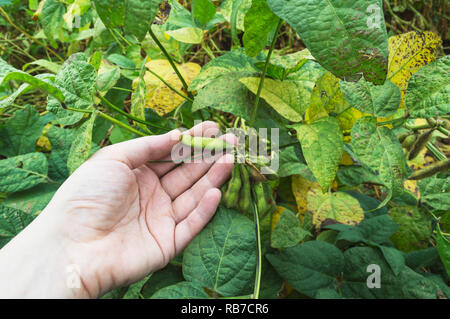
137 152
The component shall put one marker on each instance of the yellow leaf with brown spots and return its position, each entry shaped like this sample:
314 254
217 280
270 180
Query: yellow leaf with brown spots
411 185
300 187
331 208
159 96
409 52
276 216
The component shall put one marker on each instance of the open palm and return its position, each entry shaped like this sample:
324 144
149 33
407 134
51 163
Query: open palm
125 218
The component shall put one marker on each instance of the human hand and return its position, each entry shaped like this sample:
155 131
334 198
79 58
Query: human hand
118 217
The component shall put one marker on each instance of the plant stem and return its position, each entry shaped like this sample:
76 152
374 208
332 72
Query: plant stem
122 125
170 86
130 116
169 58
258 253
6 16
109 118
263 75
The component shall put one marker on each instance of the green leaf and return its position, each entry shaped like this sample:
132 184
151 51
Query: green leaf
51 66
435 191
322 145
32 200
339 36
223 256
380 150
108 76
61 142
138 16
394 258
429 90
76 80
12 222
286 97
288 232
415 228
381 101
357 175
259 24
226 94
167 276
181 290
52 20
281 66
309 267
22 172
9 73
234 61
20 132
407 284
292 162
186 35
81 145
134 290
443 245
112 12
203 10
334 208
372 231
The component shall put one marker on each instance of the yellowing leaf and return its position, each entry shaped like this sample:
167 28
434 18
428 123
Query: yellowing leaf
287 98
276 216
186 35
300 187
346 159
411 185
159 96
408 52
334 207
327 99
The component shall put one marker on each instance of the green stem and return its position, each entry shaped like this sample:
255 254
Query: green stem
130 116
6 16
122 125
117 41
169 58
109 118
259 253
170 86
263 75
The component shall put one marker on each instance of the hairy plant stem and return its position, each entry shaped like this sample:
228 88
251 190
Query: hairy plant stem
169 58
258 253
170 86
6 16
130 116
109 118
263 75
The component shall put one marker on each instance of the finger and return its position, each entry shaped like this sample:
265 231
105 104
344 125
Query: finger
206 129
200 216
214 178
137 152
183 177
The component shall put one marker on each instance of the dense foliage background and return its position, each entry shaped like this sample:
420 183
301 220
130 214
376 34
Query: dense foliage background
363 115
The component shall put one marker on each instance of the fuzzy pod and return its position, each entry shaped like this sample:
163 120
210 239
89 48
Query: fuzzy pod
234 187
245 195
205 143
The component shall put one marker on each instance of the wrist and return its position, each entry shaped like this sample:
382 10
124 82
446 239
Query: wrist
37 263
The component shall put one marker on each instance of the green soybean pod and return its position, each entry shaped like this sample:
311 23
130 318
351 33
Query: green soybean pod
245 195
234 186
205 142
260 197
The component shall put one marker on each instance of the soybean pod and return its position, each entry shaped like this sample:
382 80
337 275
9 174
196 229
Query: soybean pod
234 186
245 195
205 143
